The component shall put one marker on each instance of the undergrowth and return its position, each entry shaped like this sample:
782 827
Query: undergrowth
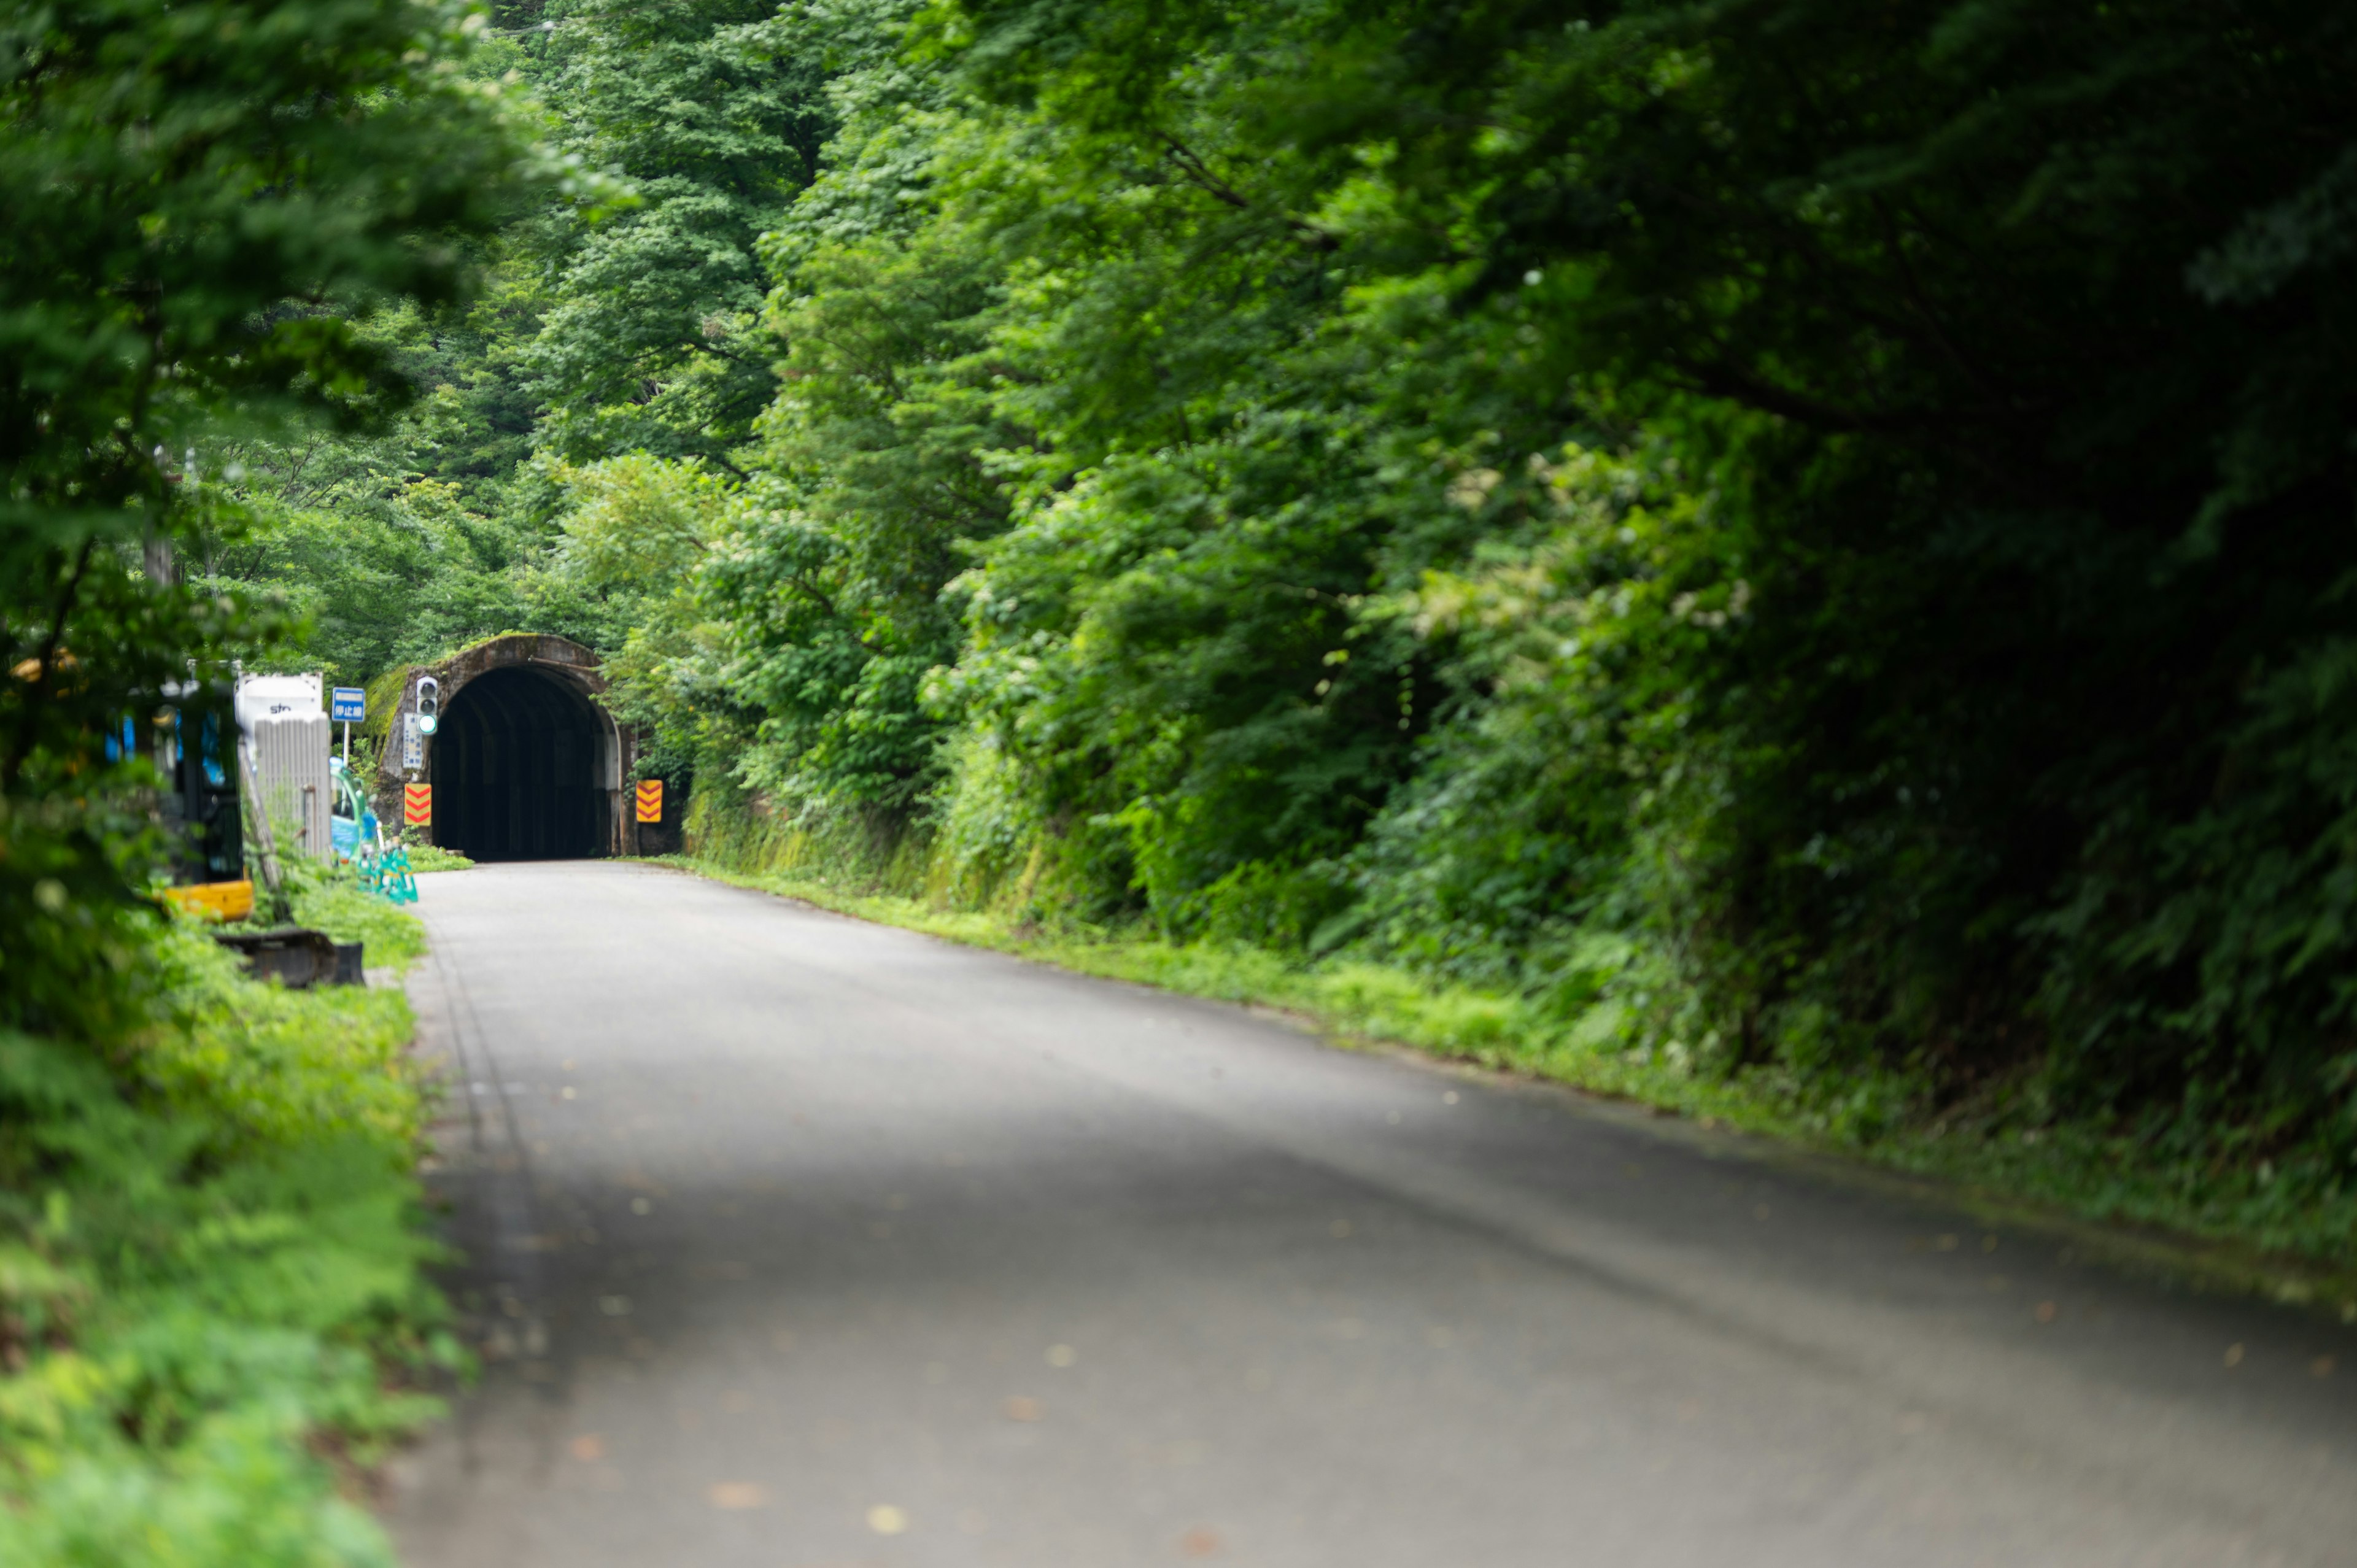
333 901
212 1313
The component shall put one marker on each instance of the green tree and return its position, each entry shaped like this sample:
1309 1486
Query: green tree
715 117
637 535
202 199
871 458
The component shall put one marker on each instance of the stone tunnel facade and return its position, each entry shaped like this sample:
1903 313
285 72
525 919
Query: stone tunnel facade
526 762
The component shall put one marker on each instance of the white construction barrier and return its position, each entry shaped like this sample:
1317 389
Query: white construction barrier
290 754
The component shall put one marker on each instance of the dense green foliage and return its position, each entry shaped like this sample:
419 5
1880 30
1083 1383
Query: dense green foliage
1796 541
209 1237
210 1263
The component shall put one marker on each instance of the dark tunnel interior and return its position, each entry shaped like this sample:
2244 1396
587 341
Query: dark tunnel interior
514 770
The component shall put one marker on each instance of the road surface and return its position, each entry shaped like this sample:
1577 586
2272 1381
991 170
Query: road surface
799 1242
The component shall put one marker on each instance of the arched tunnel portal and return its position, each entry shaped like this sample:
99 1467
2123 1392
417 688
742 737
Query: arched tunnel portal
525 761
516 772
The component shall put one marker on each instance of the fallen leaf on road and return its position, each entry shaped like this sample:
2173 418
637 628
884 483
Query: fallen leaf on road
886 1520
736 1495
1061 1355
1021 1408
588 1448
1200 1542
2046 1311
2234 1355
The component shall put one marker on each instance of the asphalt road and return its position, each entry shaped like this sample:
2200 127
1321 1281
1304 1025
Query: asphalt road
797 1242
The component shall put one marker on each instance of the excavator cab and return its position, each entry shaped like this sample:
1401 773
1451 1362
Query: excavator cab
196 752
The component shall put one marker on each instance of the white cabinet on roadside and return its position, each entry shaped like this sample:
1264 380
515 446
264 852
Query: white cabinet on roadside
286 721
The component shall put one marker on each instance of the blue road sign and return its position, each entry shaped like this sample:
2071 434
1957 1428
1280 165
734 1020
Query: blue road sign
351 706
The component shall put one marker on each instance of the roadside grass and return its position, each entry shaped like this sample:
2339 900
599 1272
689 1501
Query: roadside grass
433 857
336 903
213 1314
331 900
2102 1190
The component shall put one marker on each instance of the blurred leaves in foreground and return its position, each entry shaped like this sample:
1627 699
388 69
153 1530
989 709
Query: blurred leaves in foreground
210 1238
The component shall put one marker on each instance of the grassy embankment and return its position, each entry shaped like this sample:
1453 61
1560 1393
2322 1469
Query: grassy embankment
2109 1189
212 1313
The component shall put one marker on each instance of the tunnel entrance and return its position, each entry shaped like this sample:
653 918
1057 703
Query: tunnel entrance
516 768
